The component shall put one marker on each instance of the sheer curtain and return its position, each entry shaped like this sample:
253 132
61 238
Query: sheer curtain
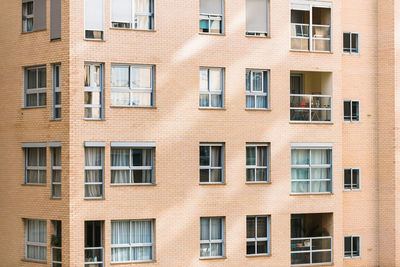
320 157
216 234
141 234
36 234
261 162
300 157
216 174
120 158
120 233
142 21
93 158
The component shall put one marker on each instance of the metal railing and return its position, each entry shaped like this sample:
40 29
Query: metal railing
311 250
310 108
94 257
306 37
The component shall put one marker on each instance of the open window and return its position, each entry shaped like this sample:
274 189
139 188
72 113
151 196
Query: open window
94 249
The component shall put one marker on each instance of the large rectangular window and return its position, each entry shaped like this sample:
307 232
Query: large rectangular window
56 91
35 86
211 16
351 110
257 235
352 246
93 91
94 250
132 85
33 15
257 89
94 166
131 241
212 244
35 165
311 170
211 87
257 161
56 172
132 165
132 14
211 163
36 240
350 43
94 19
351 179
257 17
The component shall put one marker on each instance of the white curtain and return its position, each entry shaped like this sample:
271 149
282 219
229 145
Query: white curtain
300 157
120 158
320 157
142 158
250 101
216 100
120 76
216 174
204 100
141 233
120 233
36 233
216 234
261 101
142 99
93 157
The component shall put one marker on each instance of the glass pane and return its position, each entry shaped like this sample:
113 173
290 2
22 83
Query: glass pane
142 22
204 156
356 179
141 157
203 80
142 176
57 113
119 157
142 253
56 156
354 111
250 175
300 258
204 176
248 80
36 252
261 175
120 99
120 76
32 177
42 99
31 78
322 243
320 187
32 156
320 156
87 75
216 176
346 42
93 255
321 257
57 98
215 79
250 156
142 99
92 98
204 100
42 78
261 226
216 156
57 254
250 101
204 250
354 43
96 76
300 44
321 115
320 173
346 110
120 177
42 156
141 77
56 176
300 187
93 176
262 247
120 232
142 6
215 26
262 156
204 26
204 228
300 173
93 156
321 32
300 157
216 228
216 249
42 177
216 101
141 232
120 254
347 179
250 226
251 248
31 100
28 8
356 246
347 246
93 190
257 81
261 102
321 45
299 115
56 190
299 101
92 113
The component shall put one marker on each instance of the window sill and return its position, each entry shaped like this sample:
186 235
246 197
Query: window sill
33 31
351 258
351 121
33 107
351 190
55 40
55 119
257 36
213 258
312 122
55 198
351 54
257 109
212 34
308 51
94 40
258 255
129 29
255 183
88 119
133 262
311 194
40 185
35 261
133 184
146 107
94 198
205 108
222 183
313 264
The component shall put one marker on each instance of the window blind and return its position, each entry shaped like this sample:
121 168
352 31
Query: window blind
121 11
256 15
94 12
211 7
55 19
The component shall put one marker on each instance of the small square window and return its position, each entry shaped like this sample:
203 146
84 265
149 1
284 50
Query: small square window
351 110
350 43
352 246
211 16
211 163
257 89
351 179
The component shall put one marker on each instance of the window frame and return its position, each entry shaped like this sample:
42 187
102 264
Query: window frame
352 188
214 241
56 89
209 167
261 239
255 167
211 92
351 120
265 92
37 168
55 168
351 244
35 244
94 168
26 17
37 90
131 245
134 15
131 90
350 52
92 89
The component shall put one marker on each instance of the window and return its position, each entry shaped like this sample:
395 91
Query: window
132 165
94 163
351 179
55 19
350 43
311 170
211 87
257 89
257 14
351 110
36 240
132 14
56 172
94 244
94 19
352 246
132 85
211 163
257 163
257 235
211 16
35 86
35 165
93 91
131 241
56 91
212 237
33 15
56 242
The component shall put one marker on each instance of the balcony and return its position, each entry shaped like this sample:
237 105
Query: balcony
94 257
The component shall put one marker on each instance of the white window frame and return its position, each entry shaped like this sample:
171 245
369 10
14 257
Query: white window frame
210 18
38 90
135 14
214 241
351 244
95 89
35 244
131 245
261 239
95 168
131 89
351 111
310 167
353 187
132 168
265 92
35 168
55 168
255 167
209 167
56 89
350 52
25 16
210 91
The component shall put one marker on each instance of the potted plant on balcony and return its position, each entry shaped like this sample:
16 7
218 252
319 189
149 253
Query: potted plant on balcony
55 241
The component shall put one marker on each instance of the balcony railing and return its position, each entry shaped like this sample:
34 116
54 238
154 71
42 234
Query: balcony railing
310 108
300 37
56 259
94 257
311 250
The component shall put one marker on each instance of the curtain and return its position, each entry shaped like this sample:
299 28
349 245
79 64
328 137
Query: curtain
318 157
215 79
36 233
120 76
261 101
204 100
141 233
142 99
120 158
216 174
300 157
142 22
250 101
262 156
216 234
120 235
216 100
142 5
250 156
93 157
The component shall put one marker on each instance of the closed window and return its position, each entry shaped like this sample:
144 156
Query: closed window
132 14
94 19
351 179
257 163
33 15
212 237
211 16
27 16
35 165
56 91
131 241
211 163
350 43
211 87
56 172
132 85
311 170
257 17
35 86
352 246
351 110
257 89
132 165
55 19
93 91
36 240
94 165
257 235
